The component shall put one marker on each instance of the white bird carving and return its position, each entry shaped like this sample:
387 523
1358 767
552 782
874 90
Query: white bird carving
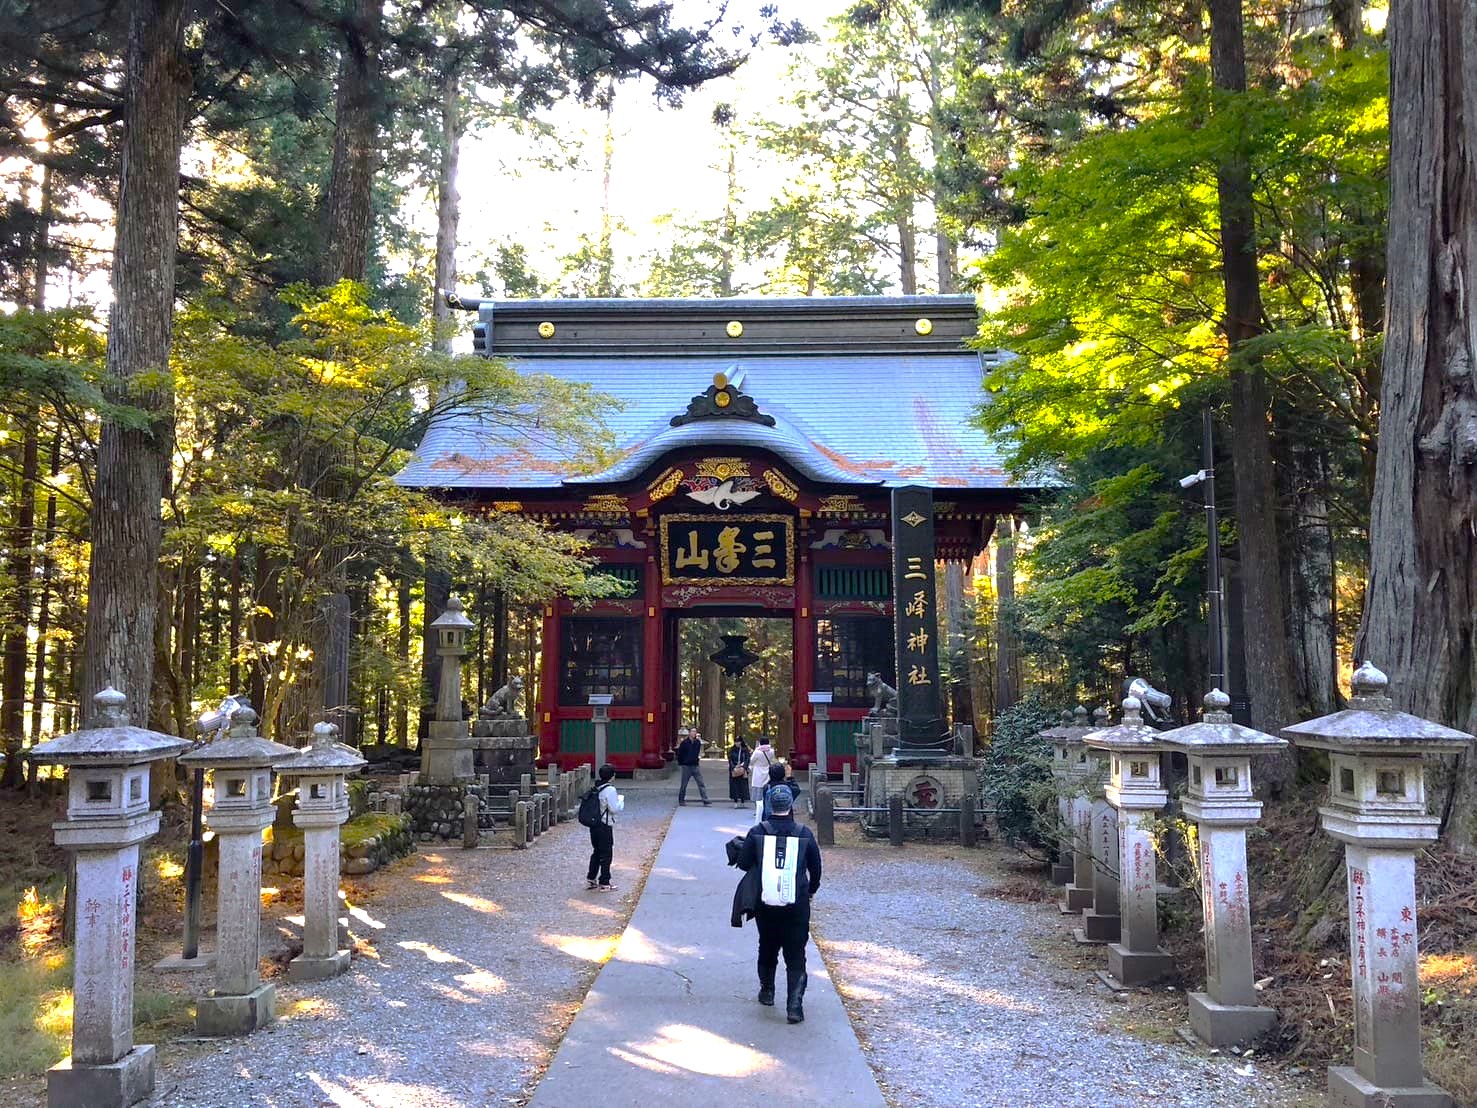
723 496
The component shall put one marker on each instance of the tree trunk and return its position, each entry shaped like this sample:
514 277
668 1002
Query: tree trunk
43 604
1007 666
133 462
1420 615
22 549
347 203
448 205
438 591
402 629
1310 584
1265 645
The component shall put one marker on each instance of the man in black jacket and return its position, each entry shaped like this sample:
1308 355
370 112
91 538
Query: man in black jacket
783 926
689 757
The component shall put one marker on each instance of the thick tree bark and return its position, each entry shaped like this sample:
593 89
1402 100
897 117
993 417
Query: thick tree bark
347 203
1265 645
133 462
448 205
1420 615
402 629
1007 666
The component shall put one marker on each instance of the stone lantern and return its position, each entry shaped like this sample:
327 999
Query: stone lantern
107 818
1377 809
1135 793
322 808
448 750
1219 800
240 765
1098 822
1071 767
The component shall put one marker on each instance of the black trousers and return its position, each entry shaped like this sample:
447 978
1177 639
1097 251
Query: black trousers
602 846
783 929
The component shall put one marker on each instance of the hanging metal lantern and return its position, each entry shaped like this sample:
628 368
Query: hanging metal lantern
734 658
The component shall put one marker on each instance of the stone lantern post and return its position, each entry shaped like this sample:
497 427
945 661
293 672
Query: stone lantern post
322 808
1136 793
820 712
1377 809
447 751
1071 767
240 765
600 721
107 818
1100 922
1219 800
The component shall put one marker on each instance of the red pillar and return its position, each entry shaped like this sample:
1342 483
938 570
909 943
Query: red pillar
548 697
653 662
803 642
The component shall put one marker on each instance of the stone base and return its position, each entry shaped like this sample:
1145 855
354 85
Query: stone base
1347 1088
221 1016
950 778
127 1081
662 774
1061 874
1137 967
304 968
1098 927
435 810
1228 1024
1075 900
178 964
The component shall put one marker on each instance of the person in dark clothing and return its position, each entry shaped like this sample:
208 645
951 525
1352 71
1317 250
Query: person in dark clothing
602 833
778 779
790 869
738 773
689 757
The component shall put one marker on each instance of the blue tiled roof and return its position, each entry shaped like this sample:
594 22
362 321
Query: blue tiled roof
863 419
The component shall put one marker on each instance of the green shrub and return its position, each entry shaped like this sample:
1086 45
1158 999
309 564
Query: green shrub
1016 775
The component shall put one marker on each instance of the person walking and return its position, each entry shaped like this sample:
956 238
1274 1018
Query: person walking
789 863
689 757
777 783
738 772
602 831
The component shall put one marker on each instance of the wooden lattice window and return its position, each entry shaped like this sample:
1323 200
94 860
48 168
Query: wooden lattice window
847 649
600 655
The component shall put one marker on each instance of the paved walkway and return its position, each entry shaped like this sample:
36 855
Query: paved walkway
672 1016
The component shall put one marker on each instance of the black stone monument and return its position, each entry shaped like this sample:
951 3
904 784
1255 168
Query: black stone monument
921 728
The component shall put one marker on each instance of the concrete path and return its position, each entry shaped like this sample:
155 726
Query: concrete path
672 1016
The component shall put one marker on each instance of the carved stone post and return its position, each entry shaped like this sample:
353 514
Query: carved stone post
1377 809
107 818
1220 802
240 765
322 808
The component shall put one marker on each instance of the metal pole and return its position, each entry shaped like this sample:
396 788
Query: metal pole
194 864
1213 561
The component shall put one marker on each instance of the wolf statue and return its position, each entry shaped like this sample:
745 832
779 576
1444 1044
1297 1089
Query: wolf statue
1155 703
503 704
883 695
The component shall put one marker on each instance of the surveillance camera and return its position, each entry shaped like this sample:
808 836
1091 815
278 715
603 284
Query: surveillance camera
1194 479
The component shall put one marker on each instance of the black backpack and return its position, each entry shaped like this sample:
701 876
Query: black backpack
589 813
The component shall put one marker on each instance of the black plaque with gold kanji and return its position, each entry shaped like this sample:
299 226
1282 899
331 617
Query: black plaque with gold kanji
732 548
915 623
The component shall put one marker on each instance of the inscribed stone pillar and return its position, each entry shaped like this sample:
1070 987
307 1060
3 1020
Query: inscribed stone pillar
915 623
1377 809
108 817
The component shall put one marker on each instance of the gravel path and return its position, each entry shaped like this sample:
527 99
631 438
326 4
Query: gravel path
476 964
960 997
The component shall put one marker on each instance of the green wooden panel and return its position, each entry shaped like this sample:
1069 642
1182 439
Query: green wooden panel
622 736
840 741
851 583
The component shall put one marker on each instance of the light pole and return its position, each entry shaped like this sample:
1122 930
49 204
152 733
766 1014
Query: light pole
1216 618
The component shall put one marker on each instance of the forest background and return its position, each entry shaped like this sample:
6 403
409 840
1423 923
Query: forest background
1164 208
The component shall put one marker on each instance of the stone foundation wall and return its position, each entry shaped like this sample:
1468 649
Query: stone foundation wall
946 778
435 811
283 856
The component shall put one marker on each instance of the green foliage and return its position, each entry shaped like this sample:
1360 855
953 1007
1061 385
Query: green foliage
1016 775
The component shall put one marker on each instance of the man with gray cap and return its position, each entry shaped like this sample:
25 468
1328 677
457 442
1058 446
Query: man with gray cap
789 862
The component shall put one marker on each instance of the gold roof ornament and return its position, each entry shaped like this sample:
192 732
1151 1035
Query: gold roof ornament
923 326
734 329
546 330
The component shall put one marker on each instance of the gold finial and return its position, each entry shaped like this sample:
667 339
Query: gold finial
546 330
734 328
923 326
722 399
720 380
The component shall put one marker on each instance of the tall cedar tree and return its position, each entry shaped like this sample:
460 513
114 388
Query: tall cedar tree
1265 639
1420 616
133 456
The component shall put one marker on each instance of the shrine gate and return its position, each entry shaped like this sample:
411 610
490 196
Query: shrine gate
757 445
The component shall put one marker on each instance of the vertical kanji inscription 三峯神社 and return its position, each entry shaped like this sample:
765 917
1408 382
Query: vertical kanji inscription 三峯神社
915 621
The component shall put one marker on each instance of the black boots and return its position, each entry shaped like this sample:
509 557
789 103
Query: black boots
794 1009
766 985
